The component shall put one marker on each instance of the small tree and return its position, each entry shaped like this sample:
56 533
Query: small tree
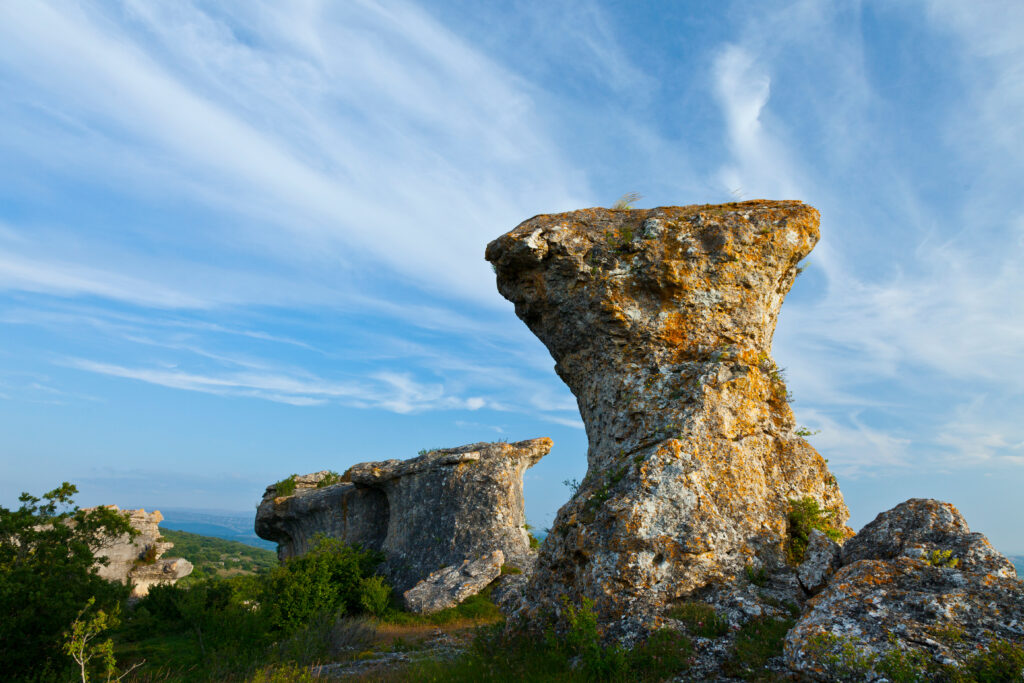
48 570
80 644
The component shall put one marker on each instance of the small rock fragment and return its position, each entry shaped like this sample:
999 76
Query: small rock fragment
449 586
820 561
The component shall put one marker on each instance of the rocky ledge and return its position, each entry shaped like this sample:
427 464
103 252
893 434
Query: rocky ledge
915 586
439 510
661 321
138 560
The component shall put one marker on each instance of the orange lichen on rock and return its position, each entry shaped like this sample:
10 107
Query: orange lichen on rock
660 321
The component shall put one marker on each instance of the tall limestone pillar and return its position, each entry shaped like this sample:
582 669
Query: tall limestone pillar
661 322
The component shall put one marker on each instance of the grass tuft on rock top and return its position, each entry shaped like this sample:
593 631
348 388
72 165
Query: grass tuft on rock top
286 486
806 514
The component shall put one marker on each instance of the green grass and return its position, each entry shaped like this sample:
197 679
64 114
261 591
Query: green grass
329 479
700 619
757 641
477 607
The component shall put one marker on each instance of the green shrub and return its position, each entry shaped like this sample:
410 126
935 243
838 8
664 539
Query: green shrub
374 595
48 568
1002 661
286 486
804 515
328 579
700 619
329 479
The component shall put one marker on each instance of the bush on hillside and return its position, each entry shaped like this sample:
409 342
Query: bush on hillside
48 568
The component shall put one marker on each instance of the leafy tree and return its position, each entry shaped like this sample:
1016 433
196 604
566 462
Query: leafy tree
48 573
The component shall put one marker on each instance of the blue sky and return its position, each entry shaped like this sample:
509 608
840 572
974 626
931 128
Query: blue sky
244 239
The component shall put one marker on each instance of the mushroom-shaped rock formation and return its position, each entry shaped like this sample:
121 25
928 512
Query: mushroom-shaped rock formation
917 586
138 560
433 511
661 321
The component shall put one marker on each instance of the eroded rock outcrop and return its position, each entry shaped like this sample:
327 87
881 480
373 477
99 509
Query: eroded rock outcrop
915 582
139 560
434 511
660 321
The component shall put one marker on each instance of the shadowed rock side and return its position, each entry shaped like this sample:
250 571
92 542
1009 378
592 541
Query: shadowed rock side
660 321
433 511
351 513
914 580
138 560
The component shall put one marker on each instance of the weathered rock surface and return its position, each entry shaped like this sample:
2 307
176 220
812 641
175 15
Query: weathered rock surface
449 586
353 514
138 561
821 560
436 510
894 594
660 321
920 526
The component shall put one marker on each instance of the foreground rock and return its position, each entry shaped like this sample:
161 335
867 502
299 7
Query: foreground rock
138 560
436 510
449 586
916 584
660 321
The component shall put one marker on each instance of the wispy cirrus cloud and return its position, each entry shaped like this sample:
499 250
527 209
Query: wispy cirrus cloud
329 138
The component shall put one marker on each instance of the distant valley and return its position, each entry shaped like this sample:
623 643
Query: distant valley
229 525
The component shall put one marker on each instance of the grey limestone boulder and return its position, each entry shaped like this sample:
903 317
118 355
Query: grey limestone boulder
915 582
436 510
821 560
449 586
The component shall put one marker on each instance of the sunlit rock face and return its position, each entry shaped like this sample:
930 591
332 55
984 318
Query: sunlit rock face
138 561
437 510
916 583
661 321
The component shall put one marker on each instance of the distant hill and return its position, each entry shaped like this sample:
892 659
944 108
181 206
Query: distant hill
218 557
231 526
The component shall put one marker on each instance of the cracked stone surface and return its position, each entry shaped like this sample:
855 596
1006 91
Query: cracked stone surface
893 594
660 322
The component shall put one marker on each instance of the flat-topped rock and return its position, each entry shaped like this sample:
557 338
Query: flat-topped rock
660 321
436 510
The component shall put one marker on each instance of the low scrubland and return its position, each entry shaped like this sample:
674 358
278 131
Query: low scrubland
327 615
